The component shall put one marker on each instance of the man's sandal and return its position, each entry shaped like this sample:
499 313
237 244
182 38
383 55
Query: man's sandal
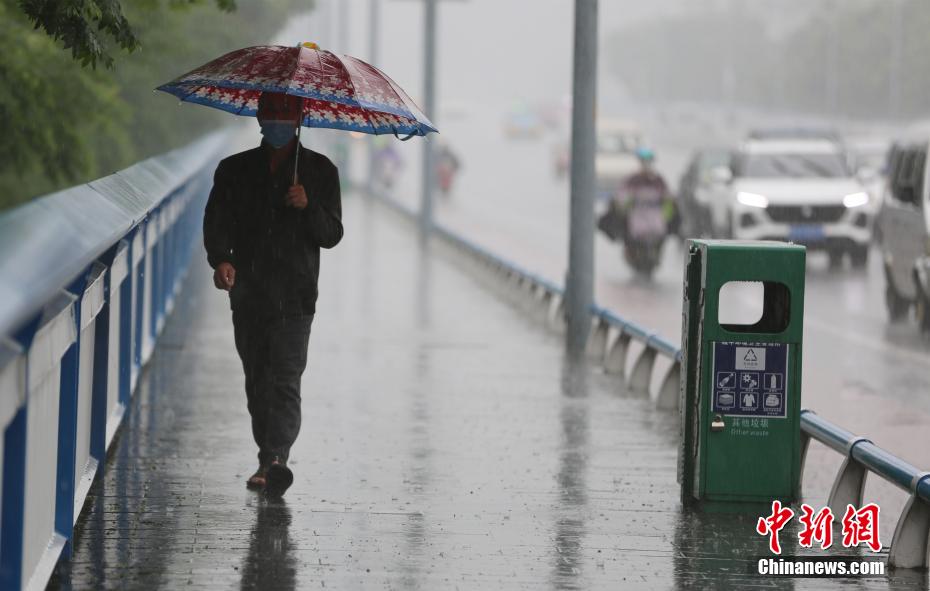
278 478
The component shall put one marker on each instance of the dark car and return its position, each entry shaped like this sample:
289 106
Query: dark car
696 190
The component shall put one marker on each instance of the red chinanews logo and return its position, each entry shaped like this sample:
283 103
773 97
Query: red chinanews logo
859 526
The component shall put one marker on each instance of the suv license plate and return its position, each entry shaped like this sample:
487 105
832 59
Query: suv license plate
809 233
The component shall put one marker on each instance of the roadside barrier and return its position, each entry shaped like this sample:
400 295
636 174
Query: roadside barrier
909 545
88 276
609 345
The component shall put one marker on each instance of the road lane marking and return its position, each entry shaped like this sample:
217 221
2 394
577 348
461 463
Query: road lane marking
869 343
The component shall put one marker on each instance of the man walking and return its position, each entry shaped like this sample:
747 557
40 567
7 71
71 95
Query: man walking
263 233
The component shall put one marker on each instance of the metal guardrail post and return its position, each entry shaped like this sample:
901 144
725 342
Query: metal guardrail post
138 262
69 391
103 348
909 546
617 353
641 373
51 391
597 339
668 398
542 300
557 313
805 446
849 485
546 303
125 309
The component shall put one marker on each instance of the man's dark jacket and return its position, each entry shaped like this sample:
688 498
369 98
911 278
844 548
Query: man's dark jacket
274 248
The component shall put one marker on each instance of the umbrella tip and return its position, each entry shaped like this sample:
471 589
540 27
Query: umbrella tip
308 45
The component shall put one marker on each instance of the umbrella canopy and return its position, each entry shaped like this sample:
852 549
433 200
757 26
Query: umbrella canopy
340 92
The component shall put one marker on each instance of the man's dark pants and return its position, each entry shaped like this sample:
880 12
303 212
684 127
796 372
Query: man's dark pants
274 355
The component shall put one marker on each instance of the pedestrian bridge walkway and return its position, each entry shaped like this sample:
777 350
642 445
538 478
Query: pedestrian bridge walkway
446 444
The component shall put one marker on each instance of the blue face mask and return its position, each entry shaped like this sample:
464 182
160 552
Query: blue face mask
278 133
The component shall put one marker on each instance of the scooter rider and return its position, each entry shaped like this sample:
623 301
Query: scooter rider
647 189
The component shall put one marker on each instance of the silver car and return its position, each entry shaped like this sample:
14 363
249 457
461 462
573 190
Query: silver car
904 221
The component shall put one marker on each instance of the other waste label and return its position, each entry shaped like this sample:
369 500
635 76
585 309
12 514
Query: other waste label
750 379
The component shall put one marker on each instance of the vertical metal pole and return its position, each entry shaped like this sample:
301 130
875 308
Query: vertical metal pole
897 41
580 281
344 26
331 28
374 29
729 70
832 74
326 24
429 104
345 140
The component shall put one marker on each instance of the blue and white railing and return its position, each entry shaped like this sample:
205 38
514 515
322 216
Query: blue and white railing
609 343
909 545
87 277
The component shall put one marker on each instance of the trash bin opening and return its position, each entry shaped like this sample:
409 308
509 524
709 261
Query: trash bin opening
754 307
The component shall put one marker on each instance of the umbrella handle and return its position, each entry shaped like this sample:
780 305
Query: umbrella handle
296 153
404 139
300 121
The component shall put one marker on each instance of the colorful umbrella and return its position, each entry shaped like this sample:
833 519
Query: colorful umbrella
340 92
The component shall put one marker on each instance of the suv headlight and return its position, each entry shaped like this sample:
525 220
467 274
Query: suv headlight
856 199
752 199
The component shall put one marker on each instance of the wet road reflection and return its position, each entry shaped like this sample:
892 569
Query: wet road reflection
568 559
714 547
122 500
270 562
447 444
713 550
418 469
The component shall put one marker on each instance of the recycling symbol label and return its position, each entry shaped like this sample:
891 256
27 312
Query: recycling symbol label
750 357
750 379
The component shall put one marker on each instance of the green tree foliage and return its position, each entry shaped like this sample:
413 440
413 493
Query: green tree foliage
55 114
83 26
64 124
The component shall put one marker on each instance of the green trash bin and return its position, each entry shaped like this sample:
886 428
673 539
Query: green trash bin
741 383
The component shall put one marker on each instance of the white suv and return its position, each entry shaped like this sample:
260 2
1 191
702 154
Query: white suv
799 190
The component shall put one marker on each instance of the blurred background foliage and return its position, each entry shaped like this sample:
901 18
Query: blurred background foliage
65 123
859 58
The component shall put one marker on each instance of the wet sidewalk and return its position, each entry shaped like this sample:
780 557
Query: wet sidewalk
445 444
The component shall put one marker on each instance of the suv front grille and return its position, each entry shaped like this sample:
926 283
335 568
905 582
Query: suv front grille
805 214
